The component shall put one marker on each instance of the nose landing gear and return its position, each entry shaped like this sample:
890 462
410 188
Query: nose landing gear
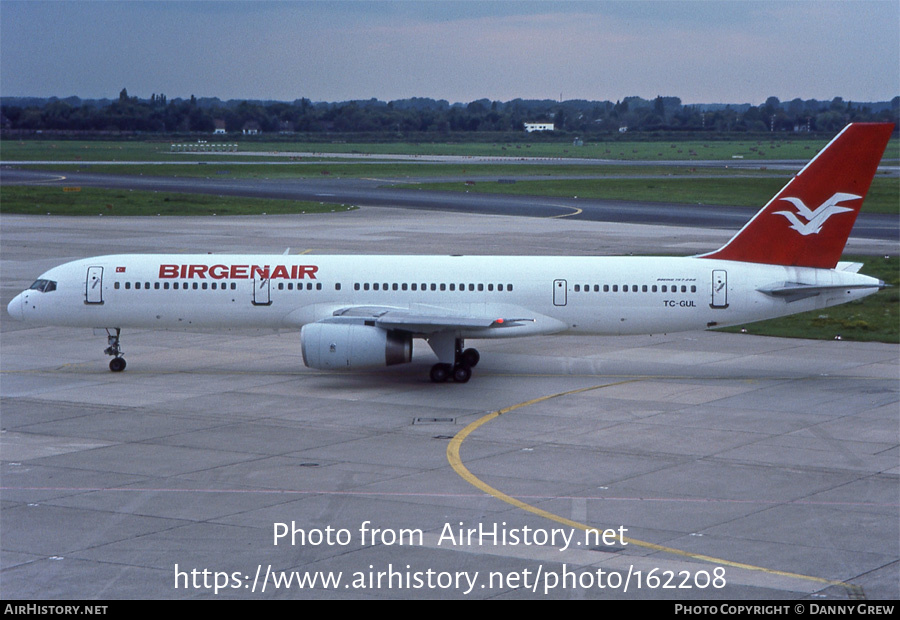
117 363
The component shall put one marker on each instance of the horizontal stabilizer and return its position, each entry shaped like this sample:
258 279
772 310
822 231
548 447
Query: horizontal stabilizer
848 267
795 291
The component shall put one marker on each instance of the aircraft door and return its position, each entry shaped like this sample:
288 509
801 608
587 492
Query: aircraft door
559 292
719 289
93 286
261 295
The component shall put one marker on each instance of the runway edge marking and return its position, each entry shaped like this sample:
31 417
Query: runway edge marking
456 463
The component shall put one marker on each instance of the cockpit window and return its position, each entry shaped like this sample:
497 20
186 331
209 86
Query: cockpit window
44 286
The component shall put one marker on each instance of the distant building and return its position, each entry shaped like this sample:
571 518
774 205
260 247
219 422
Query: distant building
220 126
251 128
529 127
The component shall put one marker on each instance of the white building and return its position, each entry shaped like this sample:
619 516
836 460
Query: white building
529 127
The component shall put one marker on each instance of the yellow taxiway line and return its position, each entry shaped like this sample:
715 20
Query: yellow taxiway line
456 463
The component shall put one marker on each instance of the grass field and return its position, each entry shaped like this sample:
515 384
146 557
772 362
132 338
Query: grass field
750 187
396 170
784 147
42 200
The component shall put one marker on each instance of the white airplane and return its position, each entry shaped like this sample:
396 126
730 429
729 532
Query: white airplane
364 311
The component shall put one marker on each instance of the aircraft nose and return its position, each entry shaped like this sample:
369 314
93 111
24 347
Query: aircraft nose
16 307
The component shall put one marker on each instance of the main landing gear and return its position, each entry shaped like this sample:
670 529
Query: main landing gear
461 368
117 363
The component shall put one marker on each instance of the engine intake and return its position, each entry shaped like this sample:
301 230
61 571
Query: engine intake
338 346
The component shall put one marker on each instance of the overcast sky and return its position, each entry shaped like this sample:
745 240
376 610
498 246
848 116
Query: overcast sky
701 51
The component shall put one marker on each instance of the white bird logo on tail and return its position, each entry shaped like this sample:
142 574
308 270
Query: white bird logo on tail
815 218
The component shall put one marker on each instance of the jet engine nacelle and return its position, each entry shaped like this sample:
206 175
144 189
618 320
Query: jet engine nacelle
338 346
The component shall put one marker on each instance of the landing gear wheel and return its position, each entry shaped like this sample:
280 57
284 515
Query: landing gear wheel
117 363
440 372
462 373
470 357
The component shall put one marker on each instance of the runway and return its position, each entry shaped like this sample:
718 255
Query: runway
724 466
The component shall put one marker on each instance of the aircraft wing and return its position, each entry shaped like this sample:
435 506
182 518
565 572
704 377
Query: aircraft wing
422 320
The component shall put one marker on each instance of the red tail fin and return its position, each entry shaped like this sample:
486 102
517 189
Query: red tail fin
808 222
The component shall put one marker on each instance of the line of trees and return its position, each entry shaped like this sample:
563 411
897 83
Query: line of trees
160 115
